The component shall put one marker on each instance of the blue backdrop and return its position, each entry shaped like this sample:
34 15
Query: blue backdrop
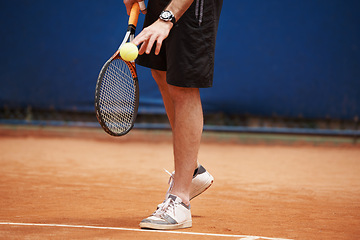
285 57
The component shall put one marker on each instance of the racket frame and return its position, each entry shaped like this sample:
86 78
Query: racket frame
129 36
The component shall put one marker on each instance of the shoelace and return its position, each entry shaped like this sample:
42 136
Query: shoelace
168 205
171 183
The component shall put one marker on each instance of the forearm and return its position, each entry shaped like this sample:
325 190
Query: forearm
179 7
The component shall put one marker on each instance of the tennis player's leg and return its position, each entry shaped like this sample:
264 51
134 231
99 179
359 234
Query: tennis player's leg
202 179
187 131
160 79
183 107
175 212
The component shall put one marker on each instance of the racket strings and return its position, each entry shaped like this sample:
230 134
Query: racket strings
117 98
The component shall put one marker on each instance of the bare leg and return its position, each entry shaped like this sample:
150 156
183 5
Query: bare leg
184 110
188 125
160 78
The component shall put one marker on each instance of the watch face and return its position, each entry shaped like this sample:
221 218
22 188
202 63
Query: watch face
166 15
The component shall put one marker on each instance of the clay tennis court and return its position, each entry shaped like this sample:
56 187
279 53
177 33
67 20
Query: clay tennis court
78 183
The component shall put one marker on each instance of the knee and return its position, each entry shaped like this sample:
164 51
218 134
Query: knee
181 94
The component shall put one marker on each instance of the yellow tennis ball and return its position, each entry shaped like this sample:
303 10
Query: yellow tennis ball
129 51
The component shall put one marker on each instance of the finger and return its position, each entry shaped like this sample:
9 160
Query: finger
128 5
140 38
127 10
142 6
158 46
150 44
143 47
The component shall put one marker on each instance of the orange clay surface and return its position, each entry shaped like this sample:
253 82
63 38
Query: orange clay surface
84 177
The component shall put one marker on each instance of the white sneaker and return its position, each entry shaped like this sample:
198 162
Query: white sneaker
201 181
172 214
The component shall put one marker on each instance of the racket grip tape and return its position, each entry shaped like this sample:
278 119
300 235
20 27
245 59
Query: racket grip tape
134 14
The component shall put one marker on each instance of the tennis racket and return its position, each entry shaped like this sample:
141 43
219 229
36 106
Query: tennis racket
117 89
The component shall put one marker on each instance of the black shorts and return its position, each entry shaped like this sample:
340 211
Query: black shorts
187 54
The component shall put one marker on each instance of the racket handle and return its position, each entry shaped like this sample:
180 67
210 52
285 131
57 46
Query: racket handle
134 14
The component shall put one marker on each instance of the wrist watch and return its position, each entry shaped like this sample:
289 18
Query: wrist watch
167 16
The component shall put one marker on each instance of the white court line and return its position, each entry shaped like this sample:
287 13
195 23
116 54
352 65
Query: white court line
241 237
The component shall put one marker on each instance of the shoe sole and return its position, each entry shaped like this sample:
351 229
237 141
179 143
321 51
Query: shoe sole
186 224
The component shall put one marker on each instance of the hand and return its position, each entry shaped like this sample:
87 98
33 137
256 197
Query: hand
156 32
129 3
